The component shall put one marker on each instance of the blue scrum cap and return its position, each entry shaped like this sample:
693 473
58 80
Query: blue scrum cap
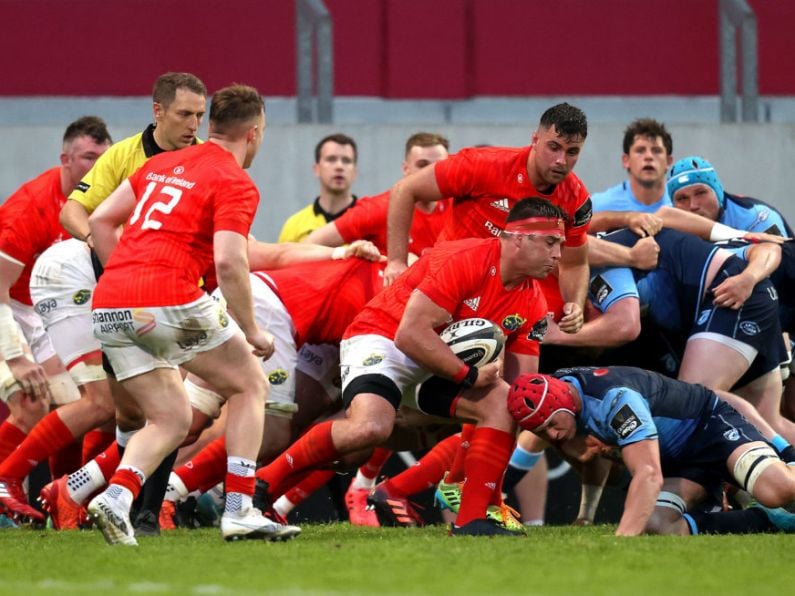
694 170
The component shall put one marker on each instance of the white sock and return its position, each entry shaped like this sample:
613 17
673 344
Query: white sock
283 506
84 482
176 490
362 481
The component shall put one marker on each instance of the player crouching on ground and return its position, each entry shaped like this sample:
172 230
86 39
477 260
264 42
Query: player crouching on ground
679 442
393 345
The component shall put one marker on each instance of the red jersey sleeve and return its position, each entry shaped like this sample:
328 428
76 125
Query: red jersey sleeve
455 176
365 220
236 203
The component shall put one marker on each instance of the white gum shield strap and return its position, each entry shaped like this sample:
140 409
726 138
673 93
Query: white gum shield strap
11 341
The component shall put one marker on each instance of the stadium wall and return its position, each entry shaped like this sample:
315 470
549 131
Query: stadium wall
752 159
445 49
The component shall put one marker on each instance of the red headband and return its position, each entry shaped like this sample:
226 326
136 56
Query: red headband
551 226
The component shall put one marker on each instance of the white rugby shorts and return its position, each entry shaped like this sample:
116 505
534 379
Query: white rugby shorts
141 339
374 354
61 285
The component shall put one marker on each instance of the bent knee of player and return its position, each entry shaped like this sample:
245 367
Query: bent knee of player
372 432
663 521
776 486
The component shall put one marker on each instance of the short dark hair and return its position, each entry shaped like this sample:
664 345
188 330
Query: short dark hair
647 127
88 126
340 139
234 105
569 121
426 139
535 207
166 85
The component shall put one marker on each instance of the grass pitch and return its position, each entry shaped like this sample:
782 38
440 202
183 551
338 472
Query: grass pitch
341 559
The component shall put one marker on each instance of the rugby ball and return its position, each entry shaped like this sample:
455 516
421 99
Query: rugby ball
475 341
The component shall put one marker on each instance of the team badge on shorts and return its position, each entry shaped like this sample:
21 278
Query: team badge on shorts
278 376
223 319
732 435
373 359
513 322
81 296
749 327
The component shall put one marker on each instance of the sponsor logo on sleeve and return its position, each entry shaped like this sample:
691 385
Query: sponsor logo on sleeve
583 214
539 330
625 422
82 186
600 289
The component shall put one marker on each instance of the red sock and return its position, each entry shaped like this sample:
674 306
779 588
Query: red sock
108 461
49 436
308 485
206 469
456 473
66 460
377 460
129 480
234 483
95 442
487 459
10 438
313 449
428 471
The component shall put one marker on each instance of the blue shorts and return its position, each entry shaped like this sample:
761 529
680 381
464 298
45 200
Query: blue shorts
704 458
756 324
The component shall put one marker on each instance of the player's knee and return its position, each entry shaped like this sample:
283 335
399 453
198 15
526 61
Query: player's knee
776 488
27 412
369 433
100 403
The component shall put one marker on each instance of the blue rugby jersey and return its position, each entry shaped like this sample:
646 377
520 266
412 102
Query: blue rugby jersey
623 405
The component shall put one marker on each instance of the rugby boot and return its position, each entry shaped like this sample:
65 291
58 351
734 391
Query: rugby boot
393 510
14 499
358 512
250 524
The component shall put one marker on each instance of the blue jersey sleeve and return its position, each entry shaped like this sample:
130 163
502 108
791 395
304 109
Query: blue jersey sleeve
626 417
753 216
609 286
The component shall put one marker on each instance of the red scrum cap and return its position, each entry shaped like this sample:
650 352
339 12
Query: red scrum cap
534 398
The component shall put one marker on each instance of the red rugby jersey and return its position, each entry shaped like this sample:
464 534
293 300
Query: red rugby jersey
366 220
183 198
29 225
463 278
486 182
324 297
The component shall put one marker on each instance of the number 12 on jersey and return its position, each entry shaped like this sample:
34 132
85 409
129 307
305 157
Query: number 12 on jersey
164 207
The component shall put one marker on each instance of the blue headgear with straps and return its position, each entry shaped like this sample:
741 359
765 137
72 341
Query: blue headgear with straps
694 170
